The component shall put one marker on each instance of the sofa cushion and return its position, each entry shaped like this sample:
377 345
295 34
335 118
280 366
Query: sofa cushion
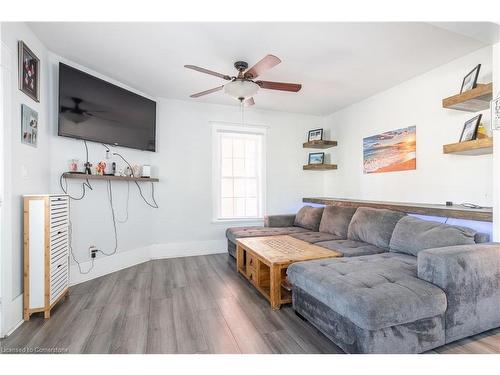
336 219
374 226
372 291
313 237
239 232
412 235
351 248
308 217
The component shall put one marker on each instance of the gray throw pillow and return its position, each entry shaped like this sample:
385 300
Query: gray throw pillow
373 226
336 219
412 235
308 217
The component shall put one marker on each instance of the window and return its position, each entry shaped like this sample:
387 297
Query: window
239 171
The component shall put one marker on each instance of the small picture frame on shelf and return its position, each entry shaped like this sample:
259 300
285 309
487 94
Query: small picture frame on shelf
316 158
469 131
315 135
495 114
470 80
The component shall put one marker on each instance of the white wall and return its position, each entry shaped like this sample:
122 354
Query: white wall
184 161
27 168
183 224
438 177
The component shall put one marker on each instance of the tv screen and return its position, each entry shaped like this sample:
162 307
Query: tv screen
95 110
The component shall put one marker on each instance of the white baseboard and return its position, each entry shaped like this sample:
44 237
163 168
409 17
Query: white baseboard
187 249
108 264
125 259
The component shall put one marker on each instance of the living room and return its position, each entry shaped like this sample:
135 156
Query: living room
250 187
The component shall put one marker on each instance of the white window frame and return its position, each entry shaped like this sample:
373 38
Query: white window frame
220 127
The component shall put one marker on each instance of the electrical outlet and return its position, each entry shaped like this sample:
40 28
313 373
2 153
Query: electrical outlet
93 251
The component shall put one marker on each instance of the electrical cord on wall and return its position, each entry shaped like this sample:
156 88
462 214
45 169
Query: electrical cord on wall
154 204
86 185
126 205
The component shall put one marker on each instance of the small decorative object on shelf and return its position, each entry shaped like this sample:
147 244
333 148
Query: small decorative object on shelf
87 166
495 114
73 165
100 168
146 171
315 135
470 80
136 170
469 131
316 158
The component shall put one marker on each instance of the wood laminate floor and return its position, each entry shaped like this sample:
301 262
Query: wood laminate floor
182 305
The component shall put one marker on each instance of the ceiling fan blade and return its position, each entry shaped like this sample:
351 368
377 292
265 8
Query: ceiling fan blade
266 63
248 102
282 86
206 71
198 94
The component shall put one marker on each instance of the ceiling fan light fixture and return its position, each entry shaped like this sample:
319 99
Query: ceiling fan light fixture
241 89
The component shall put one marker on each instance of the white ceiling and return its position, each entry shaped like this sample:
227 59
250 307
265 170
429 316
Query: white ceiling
337 63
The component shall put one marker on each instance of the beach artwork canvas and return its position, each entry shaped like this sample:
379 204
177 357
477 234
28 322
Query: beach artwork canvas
390 151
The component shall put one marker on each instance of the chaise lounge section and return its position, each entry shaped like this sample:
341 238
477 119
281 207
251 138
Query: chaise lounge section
403 285
435 285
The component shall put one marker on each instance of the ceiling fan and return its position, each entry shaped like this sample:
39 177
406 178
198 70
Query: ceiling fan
244 86
77 114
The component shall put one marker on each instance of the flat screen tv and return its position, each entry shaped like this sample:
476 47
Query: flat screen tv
95 110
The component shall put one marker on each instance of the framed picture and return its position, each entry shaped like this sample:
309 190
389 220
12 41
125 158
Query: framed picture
29 126
469 131
470 80
391 151
317 158
29 72
495 114
315 135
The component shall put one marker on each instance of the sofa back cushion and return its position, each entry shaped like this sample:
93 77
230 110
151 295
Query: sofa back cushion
308 217
336 219
412 235
374 226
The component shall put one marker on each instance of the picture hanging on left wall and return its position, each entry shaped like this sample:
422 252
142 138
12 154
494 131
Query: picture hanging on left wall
29 72
29 126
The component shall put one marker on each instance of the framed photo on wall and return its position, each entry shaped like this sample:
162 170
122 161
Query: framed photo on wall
470 80
29 126
469 131
495 114
315 135
29 72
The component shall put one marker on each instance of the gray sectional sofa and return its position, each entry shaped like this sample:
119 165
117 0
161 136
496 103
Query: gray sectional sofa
403 285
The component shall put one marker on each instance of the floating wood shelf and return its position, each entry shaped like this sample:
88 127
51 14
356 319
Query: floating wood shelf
319 144
455 211
476 147
82 176
319 167
475 100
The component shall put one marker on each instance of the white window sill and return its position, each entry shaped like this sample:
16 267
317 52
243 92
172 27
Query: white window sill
257 220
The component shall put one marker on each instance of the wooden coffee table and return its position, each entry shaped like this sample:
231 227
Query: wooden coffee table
264 260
